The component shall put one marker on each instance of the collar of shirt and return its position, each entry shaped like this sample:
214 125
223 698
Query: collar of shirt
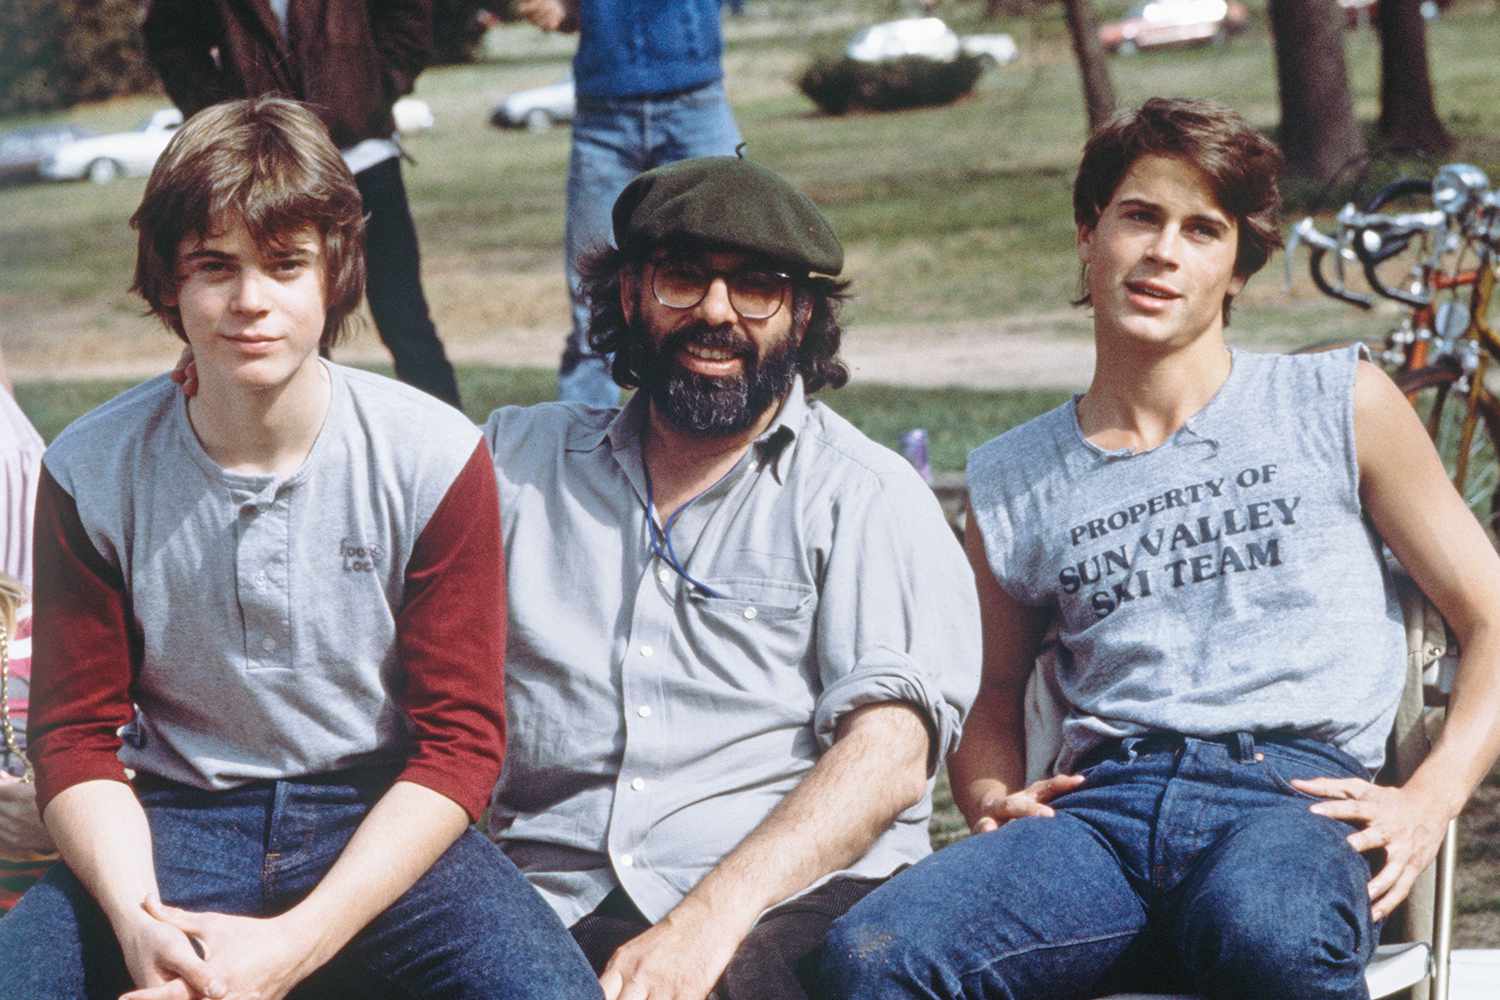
624 433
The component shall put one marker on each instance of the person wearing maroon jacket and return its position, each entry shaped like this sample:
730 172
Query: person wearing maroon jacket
280 604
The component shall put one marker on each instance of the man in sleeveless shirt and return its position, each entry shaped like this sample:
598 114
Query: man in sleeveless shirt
1203 527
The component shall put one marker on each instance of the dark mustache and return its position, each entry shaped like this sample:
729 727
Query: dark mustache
702 334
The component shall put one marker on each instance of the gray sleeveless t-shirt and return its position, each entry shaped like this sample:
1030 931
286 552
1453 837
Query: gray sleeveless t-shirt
1223 581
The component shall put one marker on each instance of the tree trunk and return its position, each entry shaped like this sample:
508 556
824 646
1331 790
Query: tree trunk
1319 134
1408 115
1098 91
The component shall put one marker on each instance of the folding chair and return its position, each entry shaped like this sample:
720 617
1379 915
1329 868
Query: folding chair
1418 957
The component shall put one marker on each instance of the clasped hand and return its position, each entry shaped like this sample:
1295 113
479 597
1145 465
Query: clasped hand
242 958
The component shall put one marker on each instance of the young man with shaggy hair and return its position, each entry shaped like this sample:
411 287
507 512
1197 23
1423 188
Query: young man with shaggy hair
1204 527
280 604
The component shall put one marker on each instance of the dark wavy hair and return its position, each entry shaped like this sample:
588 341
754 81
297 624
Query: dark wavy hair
1242 167
818 360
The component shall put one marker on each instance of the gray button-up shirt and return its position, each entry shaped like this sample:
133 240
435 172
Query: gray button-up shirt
652 726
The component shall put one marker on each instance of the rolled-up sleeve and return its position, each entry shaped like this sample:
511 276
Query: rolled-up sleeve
898 616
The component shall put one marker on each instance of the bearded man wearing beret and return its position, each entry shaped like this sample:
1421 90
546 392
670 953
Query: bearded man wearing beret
741 633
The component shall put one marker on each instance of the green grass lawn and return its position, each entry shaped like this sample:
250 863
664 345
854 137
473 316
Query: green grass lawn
949 214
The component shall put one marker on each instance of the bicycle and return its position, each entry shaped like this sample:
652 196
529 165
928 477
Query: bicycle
1441 352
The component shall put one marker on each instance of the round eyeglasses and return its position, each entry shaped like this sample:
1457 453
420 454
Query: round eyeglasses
754 293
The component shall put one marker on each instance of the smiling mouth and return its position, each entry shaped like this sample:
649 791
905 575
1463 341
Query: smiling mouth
1151 291
703 353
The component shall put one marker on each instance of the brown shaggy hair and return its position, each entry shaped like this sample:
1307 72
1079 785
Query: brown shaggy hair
269 163
1241 165
818 360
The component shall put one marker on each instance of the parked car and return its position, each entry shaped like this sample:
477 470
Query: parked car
929 37
102 158
1166 23
22 150
536 110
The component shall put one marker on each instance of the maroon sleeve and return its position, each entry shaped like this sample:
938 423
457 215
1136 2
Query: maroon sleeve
451 634
84 649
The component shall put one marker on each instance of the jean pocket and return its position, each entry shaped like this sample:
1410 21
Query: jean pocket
1282 768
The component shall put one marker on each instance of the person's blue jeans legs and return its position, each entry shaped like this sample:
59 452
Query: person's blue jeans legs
471 927
613 141
1194 868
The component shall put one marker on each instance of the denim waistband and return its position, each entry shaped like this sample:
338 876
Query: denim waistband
586 102
1243 747
365 779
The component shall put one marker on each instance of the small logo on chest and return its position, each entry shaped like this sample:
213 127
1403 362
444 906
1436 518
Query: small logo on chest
358 558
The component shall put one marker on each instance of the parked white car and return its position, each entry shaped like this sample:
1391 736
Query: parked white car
103 158
537 109
929 37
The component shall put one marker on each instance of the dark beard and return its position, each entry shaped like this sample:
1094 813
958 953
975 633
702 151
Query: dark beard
700 404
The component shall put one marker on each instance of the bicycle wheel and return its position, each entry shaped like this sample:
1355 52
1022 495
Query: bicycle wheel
1445 411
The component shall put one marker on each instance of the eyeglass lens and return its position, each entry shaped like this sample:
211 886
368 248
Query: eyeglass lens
753 294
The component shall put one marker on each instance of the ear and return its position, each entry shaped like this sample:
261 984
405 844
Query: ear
630 288
802 310
1085 240
1237 284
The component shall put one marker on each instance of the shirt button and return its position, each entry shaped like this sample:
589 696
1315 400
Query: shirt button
664 575
627 861
637 784
750 614
268 644
262 579
644 711
648 651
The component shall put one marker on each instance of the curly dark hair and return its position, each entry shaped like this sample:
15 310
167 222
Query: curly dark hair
818 360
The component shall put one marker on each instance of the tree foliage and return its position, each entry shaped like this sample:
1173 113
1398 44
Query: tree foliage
60 52
841 84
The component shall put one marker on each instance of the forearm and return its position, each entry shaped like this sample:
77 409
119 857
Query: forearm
399 840
1470 740
873 772
116 867
991 758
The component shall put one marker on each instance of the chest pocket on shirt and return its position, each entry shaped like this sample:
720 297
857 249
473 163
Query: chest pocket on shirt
765 621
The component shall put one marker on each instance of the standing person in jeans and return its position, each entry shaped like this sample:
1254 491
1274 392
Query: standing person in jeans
281 604
350 60
1204 527
650 91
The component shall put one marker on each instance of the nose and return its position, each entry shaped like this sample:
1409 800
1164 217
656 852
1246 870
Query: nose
716 308
1165 247
249 296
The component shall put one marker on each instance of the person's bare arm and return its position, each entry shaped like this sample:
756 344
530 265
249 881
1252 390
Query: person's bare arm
400 838
1426 524
988 769
118 871
21 827
876 768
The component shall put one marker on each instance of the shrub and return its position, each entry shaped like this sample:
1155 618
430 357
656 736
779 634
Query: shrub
837 85
60 52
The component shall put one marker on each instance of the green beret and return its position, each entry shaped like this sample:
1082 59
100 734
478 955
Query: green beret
729 202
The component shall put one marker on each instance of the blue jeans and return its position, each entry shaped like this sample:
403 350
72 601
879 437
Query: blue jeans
470 927
1182 865
613 140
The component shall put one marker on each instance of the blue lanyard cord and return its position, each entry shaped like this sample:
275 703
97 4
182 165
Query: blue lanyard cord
661 538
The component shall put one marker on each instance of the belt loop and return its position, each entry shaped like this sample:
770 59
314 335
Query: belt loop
1243 747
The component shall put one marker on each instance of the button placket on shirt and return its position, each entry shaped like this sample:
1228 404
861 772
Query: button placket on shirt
261 580
648 655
